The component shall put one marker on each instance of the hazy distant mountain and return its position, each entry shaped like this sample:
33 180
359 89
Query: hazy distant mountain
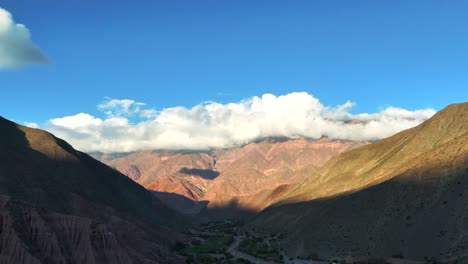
406 195
58 205
249 176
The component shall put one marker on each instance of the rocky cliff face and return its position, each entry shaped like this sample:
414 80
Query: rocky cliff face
36 235
58 205
250 176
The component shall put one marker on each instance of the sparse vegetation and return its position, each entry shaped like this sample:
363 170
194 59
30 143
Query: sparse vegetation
209 244
212 245
258 248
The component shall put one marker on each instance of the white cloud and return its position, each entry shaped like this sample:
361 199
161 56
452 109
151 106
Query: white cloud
16 47
125 107
214 125
31 124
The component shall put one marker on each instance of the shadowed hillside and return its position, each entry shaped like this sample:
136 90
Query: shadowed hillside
58 205
402 196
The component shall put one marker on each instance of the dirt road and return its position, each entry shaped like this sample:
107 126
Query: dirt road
233 250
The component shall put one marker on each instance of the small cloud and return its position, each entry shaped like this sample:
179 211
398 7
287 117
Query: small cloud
16 47
31 124
125 107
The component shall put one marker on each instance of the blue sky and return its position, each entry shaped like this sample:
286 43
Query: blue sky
409 54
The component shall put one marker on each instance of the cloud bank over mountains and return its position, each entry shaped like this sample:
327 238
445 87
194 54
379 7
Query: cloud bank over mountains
215 125
16 47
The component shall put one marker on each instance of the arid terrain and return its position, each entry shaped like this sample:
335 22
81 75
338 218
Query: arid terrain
402 196
59 205
233 132
249 178
402 199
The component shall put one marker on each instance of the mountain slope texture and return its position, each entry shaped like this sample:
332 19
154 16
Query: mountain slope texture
248 177
404 196
58 205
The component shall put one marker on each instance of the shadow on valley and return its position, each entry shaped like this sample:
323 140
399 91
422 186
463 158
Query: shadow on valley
206 174
405 217
199 211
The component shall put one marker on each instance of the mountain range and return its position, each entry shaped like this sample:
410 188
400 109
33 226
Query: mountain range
249 176
404 197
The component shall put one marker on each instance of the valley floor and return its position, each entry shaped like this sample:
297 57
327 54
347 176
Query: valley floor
226 242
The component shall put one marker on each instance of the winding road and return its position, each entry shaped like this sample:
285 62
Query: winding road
232 249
